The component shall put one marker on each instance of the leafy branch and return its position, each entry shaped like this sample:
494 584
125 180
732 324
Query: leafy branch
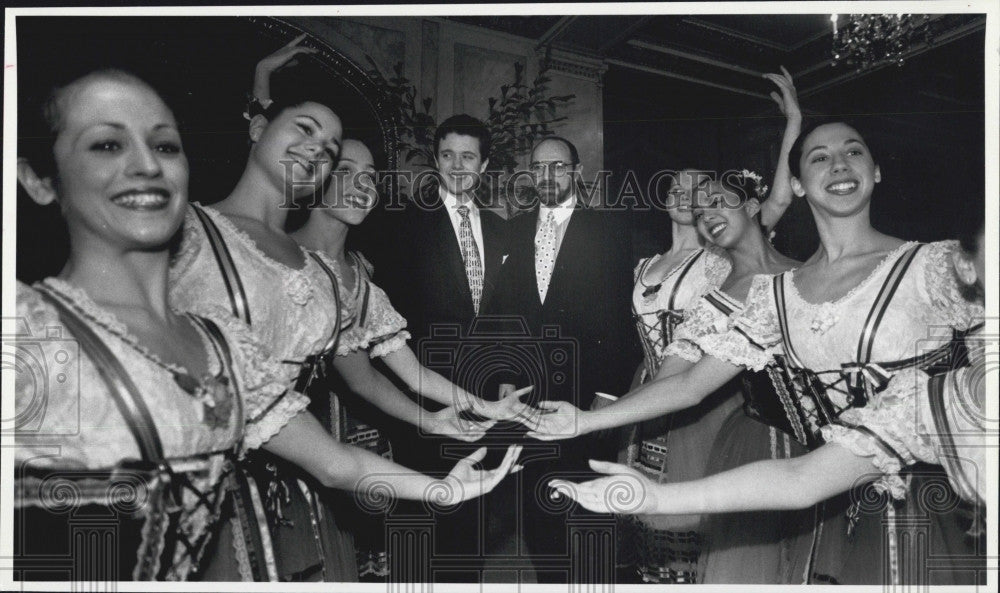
520 116
414 122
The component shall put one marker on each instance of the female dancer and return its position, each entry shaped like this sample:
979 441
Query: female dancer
237 252
747 545
158 404
376 328
661 548
862 297
379 329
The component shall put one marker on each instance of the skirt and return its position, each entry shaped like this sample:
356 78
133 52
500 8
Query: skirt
675 448
281 532
754 547
865 538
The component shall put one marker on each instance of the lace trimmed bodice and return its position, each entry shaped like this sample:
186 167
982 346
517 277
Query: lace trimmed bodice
291 310
925 309
658 304
72 423
80 415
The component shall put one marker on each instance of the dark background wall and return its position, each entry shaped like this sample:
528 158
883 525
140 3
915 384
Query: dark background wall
930 151
202 66
924 120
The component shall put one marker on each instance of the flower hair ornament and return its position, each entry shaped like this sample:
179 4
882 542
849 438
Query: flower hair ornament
759 187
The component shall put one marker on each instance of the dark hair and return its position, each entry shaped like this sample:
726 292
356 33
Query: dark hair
574 155
292 87
464 125
41 125
279 105
744 187
795 154
299 215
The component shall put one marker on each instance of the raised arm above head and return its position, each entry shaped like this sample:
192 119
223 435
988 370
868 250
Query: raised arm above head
781 193
283 57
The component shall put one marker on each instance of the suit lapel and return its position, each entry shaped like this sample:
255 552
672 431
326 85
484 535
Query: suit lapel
451 256
574 241
493 251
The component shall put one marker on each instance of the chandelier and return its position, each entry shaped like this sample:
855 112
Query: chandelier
870 40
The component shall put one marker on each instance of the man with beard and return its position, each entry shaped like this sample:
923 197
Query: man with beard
569 267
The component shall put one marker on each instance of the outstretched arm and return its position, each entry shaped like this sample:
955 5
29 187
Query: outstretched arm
432 385
364 380
781 188
303 441
665 394
773 484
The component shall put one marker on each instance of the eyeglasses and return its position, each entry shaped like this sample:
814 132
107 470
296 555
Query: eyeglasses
558 168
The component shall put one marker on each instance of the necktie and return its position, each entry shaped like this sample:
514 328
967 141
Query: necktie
545 253
470 256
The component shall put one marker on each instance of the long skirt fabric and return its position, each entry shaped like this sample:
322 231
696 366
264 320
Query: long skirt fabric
754 547
666 548
921 540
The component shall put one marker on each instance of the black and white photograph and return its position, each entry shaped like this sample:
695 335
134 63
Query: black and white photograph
561 297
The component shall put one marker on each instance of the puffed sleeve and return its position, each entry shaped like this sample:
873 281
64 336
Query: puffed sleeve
717 266
639 267
268 403
47 386
191 243
889 430
938 286
699 321
387 325
379 328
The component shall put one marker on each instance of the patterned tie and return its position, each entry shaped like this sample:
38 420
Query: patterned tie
470 255
545 253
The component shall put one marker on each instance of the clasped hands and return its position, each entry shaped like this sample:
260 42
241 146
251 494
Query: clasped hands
469 419
546 421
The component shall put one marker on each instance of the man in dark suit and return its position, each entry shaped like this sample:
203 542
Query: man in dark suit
439 265
568 268
434 276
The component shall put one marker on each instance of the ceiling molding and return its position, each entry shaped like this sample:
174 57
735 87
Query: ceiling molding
555 31
737 34
674 75
573 64
693 57
624 34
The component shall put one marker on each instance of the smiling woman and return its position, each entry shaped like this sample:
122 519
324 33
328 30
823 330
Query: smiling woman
117 160
192 63
109 153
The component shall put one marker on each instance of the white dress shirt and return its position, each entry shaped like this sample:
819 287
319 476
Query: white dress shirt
562 213
452 204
